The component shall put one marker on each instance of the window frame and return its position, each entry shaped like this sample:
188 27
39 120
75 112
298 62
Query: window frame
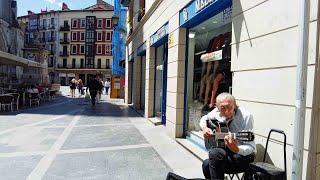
110 36
84 36
72 33
81 21
106 50
99 32
76 48
74 25
99 45
99 20
108 21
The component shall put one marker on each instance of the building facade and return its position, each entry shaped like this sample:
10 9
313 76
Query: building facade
182 54
14 65
79 41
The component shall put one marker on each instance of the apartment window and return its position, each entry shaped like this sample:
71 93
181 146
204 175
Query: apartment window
99 23
74 23
81 63
50 64
83 23
108 23
81 49
99 49
108 36
65 37
99 63
44 23
82 35
52 22
73 63
99 36
108 48
52 35
65 23
74 36
74 49
107 63
64 63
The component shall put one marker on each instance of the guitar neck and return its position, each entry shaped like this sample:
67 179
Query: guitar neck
219 135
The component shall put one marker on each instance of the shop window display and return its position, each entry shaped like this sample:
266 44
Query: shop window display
209 65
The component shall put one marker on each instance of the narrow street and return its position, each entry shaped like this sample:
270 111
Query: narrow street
67 139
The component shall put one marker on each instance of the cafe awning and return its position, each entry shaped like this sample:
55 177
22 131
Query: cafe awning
10 59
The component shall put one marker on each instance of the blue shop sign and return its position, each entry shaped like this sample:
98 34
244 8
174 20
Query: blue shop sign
159 36
200 10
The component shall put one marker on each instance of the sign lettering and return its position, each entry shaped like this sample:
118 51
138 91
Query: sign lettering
201 4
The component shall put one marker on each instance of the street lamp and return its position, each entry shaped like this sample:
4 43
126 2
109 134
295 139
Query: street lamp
115 20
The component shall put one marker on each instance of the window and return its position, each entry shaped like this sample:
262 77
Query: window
74 36
81 49
81 63
83 23
108 23
65 37
108 48
107 63
64 63
52 22
82 36
74 23
99 23
50 64
99 49
44 23
74 49
65 23
73 63
99 36
99 63
108 36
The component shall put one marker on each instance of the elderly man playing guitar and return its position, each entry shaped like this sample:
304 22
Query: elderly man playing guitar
236 148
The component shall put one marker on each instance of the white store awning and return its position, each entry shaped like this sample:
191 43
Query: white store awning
8 58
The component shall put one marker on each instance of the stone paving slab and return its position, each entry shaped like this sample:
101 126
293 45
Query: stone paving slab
29 139
103 136
94 120
16 168
131 164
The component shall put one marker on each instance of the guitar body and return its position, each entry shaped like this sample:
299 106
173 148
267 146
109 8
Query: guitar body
218 138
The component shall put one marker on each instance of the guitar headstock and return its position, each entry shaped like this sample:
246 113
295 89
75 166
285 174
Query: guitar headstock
245 136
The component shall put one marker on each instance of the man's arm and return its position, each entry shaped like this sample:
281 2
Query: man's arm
207 132
248 147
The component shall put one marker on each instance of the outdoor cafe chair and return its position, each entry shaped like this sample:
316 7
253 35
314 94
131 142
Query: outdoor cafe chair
16 97
34 99
6 100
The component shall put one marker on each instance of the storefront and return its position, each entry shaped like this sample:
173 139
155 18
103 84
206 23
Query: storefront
131 75
208 59
159 40
141 51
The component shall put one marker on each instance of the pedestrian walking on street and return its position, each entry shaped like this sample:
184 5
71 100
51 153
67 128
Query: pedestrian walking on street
107 86
100 90
94 86
80 87
73 84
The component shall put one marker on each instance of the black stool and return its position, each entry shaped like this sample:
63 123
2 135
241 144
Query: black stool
266 171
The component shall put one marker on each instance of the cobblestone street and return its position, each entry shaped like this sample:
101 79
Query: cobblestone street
67 139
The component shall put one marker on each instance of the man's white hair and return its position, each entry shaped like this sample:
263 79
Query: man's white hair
225 96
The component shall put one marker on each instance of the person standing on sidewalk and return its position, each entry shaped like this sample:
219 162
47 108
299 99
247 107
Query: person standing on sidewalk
94 86
107 86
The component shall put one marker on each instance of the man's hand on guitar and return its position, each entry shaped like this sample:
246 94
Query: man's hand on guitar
231 143
207 133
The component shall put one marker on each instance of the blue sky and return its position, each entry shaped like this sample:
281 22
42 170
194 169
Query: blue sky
37 5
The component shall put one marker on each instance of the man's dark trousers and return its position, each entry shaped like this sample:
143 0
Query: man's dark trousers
93 95
223 160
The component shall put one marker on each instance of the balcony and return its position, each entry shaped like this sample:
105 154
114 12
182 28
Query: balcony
51 39
42 27
52 26
64 41
65 28
64 53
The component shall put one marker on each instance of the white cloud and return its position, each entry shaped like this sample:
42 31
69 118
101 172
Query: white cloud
51 1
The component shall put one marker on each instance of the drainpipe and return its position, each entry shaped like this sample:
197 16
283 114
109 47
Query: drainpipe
301 83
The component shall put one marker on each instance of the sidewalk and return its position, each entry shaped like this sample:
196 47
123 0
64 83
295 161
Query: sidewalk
72 140
174 155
